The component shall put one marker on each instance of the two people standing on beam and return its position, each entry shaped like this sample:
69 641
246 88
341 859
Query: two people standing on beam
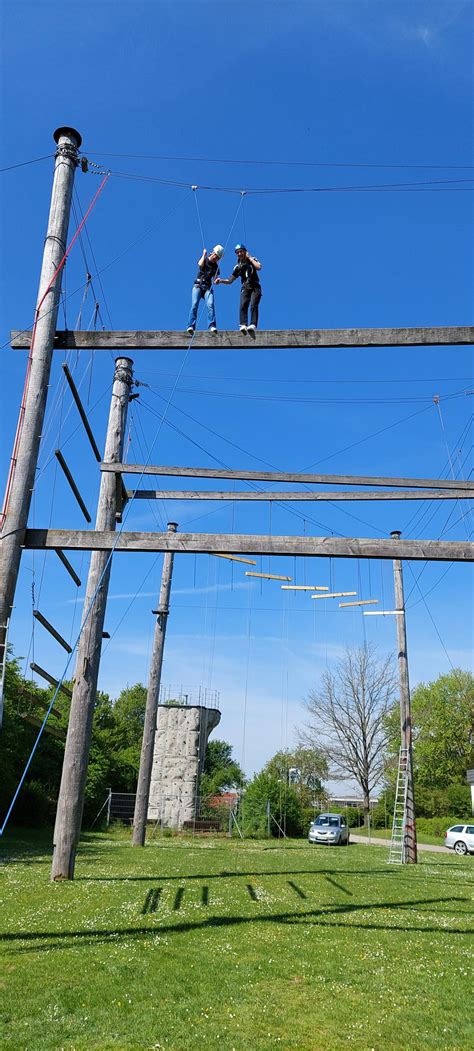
246 267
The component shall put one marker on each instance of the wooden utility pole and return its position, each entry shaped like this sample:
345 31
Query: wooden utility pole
24 461
405 709
76 755
153 696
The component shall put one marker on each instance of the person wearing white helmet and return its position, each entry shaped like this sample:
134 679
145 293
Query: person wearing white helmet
246 268
208 273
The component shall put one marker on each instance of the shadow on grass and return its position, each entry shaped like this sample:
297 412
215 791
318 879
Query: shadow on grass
408 874
325 917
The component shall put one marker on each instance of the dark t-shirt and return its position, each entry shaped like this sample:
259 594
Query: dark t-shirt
247 273
206 273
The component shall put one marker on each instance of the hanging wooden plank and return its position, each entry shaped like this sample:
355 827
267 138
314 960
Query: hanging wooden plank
235 543
235 558
305 587
265 339
285 476
361 602
336 594
265 576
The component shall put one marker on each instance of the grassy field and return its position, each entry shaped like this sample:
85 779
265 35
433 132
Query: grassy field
208 943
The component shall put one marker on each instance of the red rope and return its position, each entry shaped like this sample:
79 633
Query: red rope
21 416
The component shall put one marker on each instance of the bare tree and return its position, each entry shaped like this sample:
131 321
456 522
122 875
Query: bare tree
347 716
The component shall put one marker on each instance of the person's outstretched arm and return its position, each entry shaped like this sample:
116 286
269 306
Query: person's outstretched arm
225 280
202 260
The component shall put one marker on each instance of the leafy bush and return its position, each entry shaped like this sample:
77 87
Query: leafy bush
285 806
354 816
436 826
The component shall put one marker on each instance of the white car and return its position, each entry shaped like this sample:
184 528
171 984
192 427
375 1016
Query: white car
330 829
460 838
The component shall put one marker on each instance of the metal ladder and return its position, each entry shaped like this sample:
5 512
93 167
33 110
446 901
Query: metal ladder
397 844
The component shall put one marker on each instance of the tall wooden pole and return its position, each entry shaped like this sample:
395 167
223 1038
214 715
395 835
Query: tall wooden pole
153 696
405 709
30 425
76 755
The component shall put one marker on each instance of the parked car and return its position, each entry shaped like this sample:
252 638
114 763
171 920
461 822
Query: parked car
329 828
460 838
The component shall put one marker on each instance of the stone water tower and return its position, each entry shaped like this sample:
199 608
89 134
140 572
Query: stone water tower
185 719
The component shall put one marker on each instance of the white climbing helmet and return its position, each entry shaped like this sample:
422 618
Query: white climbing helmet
219 251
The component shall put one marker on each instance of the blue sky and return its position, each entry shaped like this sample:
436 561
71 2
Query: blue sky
340 94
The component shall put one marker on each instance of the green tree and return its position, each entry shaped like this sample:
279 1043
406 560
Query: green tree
443 730
269 803
220 770
310 765
25 705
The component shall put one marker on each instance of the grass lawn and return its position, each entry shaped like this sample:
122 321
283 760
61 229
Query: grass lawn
209 943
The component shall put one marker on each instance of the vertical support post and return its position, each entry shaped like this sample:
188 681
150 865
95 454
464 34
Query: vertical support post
76 755
30 422
109 805
405 708
153 695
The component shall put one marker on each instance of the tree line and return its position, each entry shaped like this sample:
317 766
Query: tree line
351 730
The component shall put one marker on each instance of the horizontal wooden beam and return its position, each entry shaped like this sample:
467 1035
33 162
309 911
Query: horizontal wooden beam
351 494
284 476
236 544
429 336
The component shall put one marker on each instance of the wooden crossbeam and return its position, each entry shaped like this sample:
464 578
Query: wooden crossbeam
61 461
55 731
428 336
351 494
285 476
50 678
52 631
235 544
67 565
81 411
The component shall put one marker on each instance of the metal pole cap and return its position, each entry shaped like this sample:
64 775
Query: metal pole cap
71 132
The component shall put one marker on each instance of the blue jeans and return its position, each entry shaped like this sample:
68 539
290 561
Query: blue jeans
208 296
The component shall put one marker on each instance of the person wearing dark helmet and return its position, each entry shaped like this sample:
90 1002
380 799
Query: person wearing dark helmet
208 272
246 267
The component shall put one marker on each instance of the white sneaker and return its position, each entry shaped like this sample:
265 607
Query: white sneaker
252 329
190 330
243 328
213 328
